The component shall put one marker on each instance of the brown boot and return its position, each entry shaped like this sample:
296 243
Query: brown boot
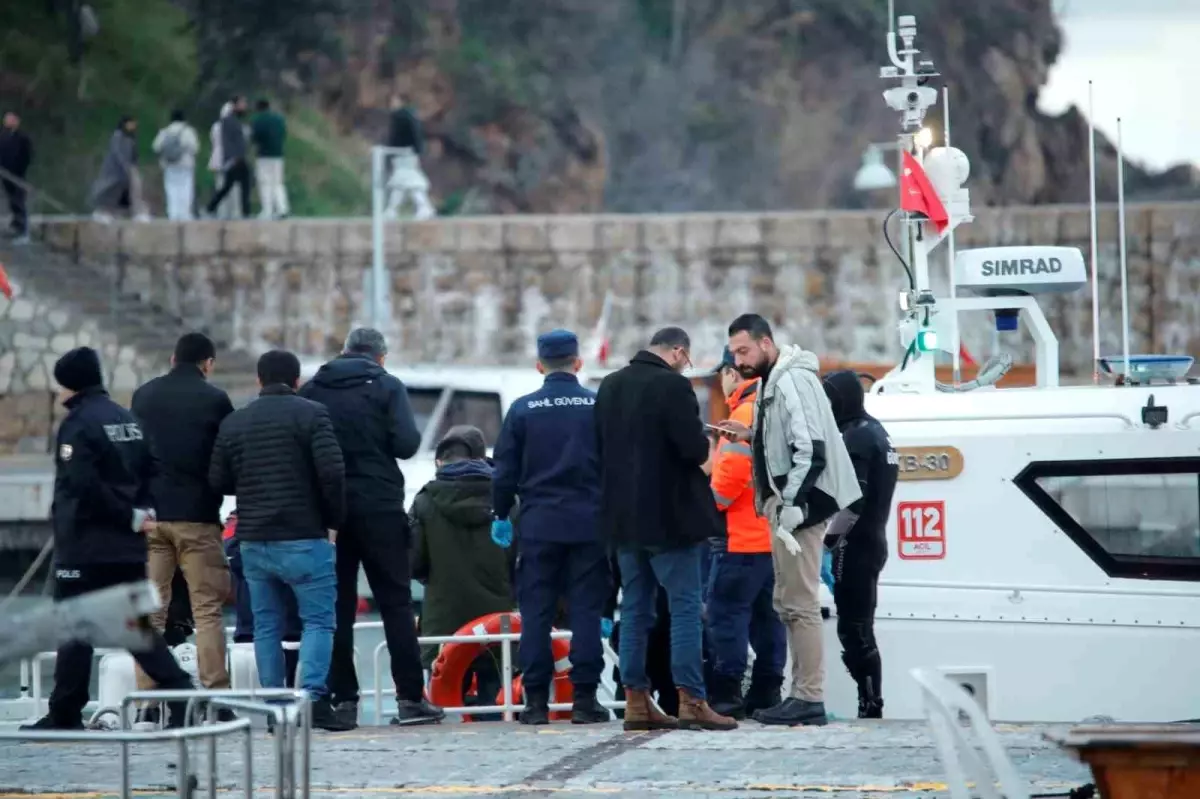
642 714
695 714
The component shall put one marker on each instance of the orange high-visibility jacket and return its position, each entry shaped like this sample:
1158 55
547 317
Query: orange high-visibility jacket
732 484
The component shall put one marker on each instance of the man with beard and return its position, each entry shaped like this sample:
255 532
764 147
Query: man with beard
802 476
657 510
858 537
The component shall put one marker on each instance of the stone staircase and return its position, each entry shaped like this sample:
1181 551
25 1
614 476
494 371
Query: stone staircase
87 288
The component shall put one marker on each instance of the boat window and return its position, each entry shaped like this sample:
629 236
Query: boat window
1134 518
481 409
423 401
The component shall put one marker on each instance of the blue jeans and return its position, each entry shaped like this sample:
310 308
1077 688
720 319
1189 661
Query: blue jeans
740 612
307 567
678 572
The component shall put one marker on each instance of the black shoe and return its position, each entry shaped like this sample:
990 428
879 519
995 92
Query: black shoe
348 711
410 713
537 709
225 714
587 709
48 722
726 698
792 712
324 717
764 692
870 709
150 714
177 715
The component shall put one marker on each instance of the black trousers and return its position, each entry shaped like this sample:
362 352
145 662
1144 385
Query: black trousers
378 542
16 204
856 571
73 669
239 173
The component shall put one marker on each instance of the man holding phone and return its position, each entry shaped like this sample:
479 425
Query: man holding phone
802 476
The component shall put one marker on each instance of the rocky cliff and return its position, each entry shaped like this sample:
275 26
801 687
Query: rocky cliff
560 106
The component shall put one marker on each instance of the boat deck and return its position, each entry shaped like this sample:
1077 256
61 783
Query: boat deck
844 759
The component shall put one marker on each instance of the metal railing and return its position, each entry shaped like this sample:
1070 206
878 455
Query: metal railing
31 675
181 736
285 741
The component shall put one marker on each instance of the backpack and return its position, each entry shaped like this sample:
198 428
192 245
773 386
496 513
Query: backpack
172 148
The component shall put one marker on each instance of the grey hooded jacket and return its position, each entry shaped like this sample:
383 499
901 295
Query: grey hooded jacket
799 456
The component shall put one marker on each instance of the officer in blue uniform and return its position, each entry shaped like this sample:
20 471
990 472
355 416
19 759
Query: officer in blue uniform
546 457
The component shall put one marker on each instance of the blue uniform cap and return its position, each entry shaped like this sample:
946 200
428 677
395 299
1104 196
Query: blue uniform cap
557 344
726 360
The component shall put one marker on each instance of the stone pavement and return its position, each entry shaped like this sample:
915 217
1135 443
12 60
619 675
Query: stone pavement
843 760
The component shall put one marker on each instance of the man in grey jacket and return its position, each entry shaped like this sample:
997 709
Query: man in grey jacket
235 157
802 477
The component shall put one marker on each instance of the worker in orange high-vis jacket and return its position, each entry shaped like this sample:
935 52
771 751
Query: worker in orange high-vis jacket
742 578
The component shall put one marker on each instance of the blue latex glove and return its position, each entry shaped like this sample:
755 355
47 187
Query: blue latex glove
827 569
606 628
502 533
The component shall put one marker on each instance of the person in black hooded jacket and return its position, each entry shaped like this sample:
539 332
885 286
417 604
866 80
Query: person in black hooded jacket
858 537
375 426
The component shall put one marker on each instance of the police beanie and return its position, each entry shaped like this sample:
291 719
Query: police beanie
79 369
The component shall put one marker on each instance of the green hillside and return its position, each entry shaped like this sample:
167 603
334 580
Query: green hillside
143 63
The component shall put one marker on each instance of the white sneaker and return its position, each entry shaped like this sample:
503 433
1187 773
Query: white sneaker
102 217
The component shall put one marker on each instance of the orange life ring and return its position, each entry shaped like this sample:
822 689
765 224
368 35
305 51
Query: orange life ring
446 679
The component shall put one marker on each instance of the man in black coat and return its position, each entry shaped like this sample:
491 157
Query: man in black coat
657 511
375 426
279 455
180 413
16 153
102 507
858 537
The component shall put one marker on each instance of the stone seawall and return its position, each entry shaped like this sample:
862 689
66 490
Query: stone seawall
478 290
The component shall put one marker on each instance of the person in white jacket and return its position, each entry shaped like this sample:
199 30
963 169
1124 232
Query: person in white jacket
802 477
176 146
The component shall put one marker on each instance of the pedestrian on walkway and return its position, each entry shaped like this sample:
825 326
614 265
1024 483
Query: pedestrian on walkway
406 180
16 154
181 413
742 580
857 537
375 426
176 146
281 459
657 511
231 206
269 132
546 457
102 509
235 158
119 184
802 477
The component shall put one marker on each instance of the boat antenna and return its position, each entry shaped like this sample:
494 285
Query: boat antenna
955 340
1124 267
1095 274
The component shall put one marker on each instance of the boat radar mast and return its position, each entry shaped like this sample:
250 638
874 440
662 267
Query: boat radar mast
1004 278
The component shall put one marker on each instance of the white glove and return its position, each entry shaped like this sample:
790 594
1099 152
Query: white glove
790 517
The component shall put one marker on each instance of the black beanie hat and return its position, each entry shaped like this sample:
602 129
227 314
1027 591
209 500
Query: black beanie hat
79 369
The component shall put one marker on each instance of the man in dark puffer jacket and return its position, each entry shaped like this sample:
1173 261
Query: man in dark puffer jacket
280 457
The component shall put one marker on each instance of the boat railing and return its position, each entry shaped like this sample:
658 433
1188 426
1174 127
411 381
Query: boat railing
32 670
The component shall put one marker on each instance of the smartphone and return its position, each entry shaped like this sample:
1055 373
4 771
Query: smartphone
713 428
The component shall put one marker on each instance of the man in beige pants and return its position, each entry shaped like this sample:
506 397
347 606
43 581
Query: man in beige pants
180 413
802 477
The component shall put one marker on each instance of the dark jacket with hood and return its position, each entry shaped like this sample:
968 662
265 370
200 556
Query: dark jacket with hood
102 472
465 574
374 425
874 459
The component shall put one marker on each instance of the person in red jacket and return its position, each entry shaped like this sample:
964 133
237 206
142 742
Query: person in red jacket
742 579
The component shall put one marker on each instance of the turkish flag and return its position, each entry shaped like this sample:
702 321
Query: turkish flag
602 355
918 195
5 286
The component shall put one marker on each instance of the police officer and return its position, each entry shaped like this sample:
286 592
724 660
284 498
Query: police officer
858 537
101 511
546 456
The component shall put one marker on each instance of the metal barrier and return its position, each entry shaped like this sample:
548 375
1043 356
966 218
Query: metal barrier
377 691
285 771
181 736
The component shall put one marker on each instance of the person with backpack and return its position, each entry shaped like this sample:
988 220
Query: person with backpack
176 146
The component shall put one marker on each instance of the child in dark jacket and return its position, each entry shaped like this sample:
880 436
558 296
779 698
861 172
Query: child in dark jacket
465 574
